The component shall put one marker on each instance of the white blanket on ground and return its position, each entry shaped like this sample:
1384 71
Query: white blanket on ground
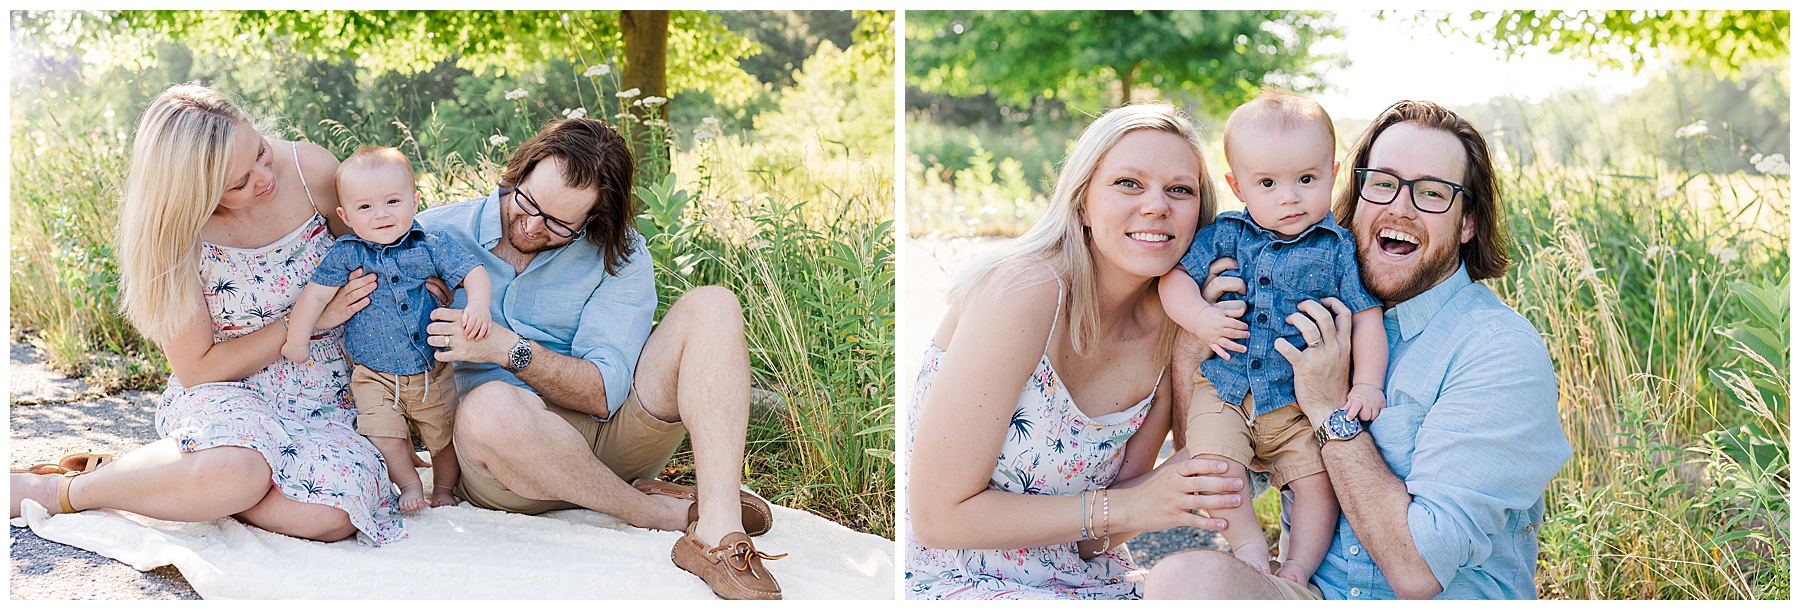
463 552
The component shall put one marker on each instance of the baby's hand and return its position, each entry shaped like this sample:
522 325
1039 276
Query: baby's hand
475 324
297 351
1219 326
1366 402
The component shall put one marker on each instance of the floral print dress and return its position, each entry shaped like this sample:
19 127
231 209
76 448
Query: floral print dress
1051 448
299 416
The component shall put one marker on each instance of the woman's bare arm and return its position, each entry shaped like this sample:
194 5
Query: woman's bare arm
964 422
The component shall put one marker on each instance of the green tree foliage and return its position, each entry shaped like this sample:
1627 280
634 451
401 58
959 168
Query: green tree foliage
702 52
1722 41
1100 58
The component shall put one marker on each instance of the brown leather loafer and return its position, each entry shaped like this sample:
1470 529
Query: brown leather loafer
733 569
757 518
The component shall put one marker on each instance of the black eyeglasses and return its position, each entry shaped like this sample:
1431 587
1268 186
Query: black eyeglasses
531 208
1428 194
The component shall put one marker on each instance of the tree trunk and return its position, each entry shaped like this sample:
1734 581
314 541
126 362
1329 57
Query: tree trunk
1127 75
646 54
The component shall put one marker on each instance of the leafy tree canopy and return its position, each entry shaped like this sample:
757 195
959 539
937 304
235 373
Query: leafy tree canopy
703 54
1722 41
1225 57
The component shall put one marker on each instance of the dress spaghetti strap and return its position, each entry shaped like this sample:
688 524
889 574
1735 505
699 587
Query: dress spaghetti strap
1060 290
295 147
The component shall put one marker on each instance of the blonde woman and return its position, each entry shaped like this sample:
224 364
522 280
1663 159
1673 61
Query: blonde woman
219 230
1053 357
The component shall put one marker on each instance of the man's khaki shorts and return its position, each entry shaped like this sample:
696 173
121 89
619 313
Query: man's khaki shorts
1279 442
379 414
633 443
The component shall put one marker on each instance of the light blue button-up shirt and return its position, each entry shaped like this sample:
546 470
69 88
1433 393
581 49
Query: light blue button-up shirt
564 300
1471 426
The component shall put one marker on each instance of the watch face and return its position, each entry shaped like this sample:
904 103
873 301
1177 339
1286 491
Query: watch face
1341 425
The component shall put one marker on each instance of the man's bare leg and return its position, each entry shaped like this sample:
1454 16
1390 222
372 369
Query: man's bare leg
1207 575
696 369
504 432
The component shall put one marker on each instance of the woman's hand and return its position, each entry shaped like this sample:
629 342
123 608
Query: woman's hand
352 297
1163 498
1216 287
1322 370
436 286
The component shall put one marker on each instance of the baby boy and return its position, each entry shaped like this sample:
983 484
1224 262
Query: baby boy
1280 148
396 380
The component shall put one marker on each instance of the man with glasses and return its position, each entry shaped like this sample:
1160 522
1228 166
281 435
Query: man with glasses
571 400
1444 494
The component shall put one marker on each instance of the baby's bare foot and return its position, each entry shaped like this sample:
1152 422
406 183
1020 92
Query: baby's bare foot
411 498
442 496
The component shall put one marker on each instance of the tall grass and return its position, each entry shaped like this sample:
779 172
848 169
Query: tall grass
1659 306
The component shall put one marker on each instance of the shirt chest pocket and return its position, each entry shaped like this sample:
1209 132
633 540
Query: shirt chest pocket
415 263
1309 272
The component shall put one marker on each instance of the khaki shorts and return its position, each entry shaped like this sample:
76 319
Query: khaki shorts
378 413
1280 442
633 443
1293 590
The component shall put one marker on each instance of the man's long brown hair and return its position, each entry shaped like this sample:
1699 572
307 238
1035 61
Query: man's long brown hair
593 156
1485 254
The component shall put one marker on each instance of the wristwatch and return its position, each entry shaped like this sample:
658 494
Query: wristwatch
1337 427
520 356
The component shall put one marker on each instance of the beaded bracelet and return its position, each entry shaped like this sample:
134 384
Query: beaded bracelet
1105 521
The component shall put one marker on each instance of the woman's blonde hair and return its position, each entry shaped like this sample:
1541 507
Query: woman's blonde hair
1059 240
182 145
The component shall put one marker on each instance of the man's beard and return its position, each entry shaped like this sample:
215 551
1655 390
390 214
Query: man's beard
518 229
1432 269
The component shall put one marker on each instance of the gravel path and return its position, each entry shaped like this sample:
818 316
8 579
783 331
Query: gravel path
53 416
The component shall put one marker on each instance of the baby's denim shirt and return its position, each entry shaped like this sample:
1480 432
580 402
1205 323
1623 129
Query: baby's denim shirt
389 334
1280 274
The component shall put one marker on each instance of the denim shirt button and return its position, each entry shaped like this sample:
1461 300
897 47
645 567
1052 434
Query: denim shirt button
1255 365
1355 592
396 278
1262 317
404 306
1262 281
1355 549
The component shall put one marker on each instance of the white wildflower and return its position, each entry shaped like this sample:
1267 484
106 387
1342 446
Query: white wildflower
653 100
656 123
1772 165
710 121
515 94
498 140
628 93
1755 159
109 113
1665 192
574 113
989 210
1658 251
1725 255
701 135
599 70
1697 129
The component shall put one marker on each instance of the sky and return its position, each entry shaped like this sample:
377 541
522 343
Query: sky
1451 70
